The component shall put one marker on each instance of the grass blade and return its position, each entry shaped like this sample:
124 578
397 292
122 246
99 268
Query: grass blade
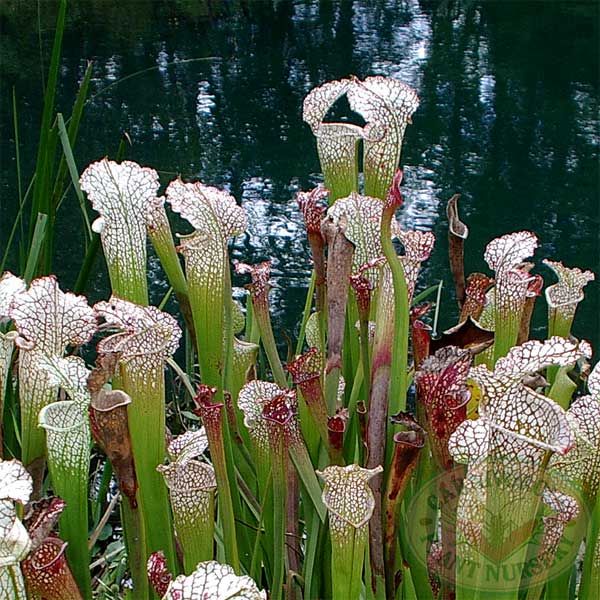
73 122
306 313
70 161
41 197
425 294
37 241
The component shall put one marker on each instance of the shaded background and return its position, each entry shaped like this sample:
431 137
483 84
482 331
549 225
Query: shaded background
213 90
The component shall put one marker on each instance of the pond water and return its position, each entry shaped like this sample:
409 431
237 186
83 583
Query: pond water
213 90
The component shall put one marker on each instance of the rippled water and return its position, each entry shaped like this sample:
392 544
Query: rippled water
508 116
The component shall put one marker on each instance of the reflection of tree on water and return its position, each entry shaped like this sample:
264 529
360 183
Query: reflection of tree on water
509 101
507 115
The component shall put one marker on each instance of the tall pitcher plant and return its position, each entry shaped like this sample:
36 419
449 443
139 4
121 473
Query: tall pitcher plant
216 218
505 256
122 194
125 195
68 442
47 320
192 486
507 450
145 338
387 106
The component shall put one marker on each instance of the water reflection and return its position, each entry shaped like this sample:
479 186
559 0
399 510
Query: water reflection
421 199
508 113
393 39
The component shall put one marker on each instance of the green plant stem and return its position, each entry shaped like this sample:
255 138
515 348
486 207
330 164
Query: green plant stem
351 354
357 384
227 382
34 394
162 241
252 334
311 426
347 559
558 587
257 553
353 444
507 322
135 541
197 542
231 459
215 423
74 527
146 413
255 563
264 472
68 444
332 384
310 568
558 325
399 363
590 578
421 526
263 318
235 454
306 313
308 477
279 460
365 359
563 387
226 512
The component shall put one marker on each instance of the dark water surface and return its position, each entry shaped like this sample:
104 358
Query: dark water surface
213 90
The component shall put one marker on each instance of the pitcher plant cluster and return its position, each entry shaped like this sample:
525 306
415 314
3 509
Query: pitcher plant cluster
375 460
